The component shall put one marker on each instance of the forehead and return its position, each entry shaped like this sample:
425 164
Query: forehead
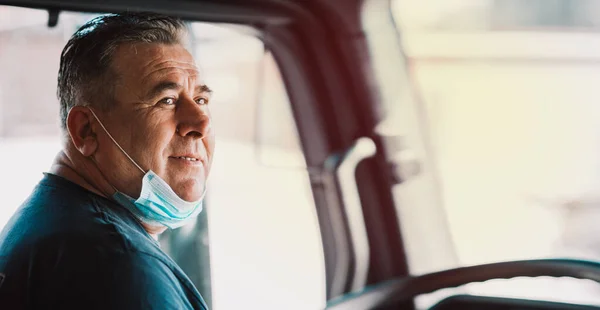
145 63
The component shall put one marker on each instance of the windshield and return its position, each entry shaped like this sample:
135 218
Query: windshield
507 99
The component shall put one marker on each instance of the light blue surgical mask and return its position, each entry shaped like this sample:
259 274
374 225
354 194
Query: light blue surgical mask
158 204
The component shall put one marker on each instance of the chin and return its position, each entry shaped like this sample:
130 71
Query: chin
190 192
191 197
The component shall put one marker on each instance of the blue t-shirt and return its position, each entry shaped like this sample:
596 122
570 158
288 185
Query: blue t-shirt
68 248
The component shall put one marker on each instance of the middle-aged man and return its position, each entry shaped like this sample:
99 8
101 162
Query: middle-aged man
138 148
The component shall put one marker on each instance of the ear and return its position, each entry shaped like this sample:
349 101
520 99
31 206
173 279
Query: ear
79 126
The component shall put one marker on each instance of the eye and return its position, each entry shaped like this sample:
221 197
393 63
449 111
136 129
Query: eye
202 101
167 101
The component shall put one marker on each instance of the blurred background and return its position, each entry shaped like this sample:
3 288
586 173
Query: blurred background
507 99
504 108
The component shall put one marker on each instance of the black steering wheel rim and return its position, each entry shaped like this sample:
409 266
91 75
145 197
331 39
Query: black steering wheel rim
410 287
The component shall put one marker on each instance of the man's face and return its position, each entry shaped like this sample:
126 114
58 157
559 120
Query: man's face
160 118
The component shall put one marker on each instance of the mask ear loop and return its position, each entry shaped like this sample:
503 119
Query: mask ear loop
95 162
115 142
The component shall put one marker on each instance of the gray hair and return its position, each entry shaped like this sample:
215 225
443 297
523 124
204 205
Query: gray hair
85 75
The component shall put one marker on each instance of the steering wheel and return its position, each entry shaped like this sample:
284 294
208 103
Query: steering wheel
406 288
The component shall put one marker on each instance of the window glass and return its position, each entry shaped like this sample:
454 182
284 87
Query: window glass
262 240
509 98
265 243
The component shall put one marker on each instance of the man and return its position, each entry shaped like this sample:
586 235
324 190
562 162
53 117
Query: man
138 147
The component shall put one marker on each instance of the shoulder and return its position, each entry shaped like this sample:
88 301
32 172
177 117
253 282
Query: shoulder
60 212
68 249
79 271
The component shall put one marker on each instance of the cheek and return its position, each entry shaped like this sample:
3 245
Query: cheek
209 144
151 144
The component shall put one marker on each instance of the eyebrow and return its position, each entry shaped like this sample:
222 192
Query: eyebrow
161 87
203 89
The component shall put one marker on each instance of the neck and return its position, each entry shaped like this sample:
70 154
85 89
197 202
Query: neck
153 231
85 173
81 172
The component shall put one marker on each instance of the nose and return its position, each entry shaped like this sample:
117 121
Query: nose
194 119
